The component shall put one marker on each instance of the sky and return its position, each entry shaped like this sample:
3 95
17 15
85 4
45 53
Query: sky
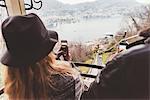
75 1
82 1
144 1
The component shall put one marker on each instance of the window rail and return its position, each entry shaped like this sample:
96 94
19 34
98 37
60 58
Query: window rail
87 65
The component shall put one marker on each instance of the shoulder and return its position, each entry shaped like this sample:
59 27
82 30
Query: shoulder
133 57
65 81
133 51
65 87
62 81
137 50
61 87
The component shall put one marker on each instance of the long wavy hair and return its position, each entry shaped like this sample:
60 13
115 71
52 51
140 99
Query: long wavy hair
33 82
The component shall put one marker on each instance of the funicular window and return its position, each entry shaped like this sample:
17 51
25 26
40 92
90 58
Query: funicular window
92 28
91 24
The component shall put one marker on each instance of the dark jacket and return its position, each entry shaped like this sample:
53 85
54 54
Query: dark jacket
65 87
126 76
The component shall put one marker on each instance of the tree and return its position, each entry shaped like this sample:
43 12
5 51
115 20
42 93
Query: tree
79 52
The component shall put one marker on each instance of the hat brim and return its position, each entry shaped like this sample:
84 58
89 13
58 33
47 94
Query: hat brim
11 61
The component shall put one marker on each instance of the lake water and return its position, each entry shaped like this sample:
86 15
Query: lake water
88 30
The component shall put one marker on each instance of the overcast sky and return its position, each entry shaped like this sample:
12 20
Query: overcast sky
144 1
75 1
81 1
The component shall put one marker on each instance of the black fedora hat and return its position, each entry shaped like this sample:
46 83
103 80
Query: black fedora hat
27 40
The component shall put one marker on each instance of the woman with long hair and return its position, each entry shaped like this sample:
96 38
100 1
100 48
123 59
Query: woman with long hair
32 71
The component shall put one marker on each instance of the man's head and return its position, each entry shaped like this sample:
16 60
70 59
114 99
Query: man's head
146 34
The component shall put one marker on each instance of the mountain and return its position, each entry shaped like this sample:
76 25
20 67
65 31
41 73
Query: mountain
55 12
55 7
54 4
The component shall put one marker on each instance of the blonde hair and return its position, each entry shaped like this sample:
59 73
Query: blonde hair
34 81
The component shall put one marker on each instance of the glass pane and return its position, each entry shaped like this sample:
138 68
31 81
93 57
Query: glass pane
84 20
89 26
